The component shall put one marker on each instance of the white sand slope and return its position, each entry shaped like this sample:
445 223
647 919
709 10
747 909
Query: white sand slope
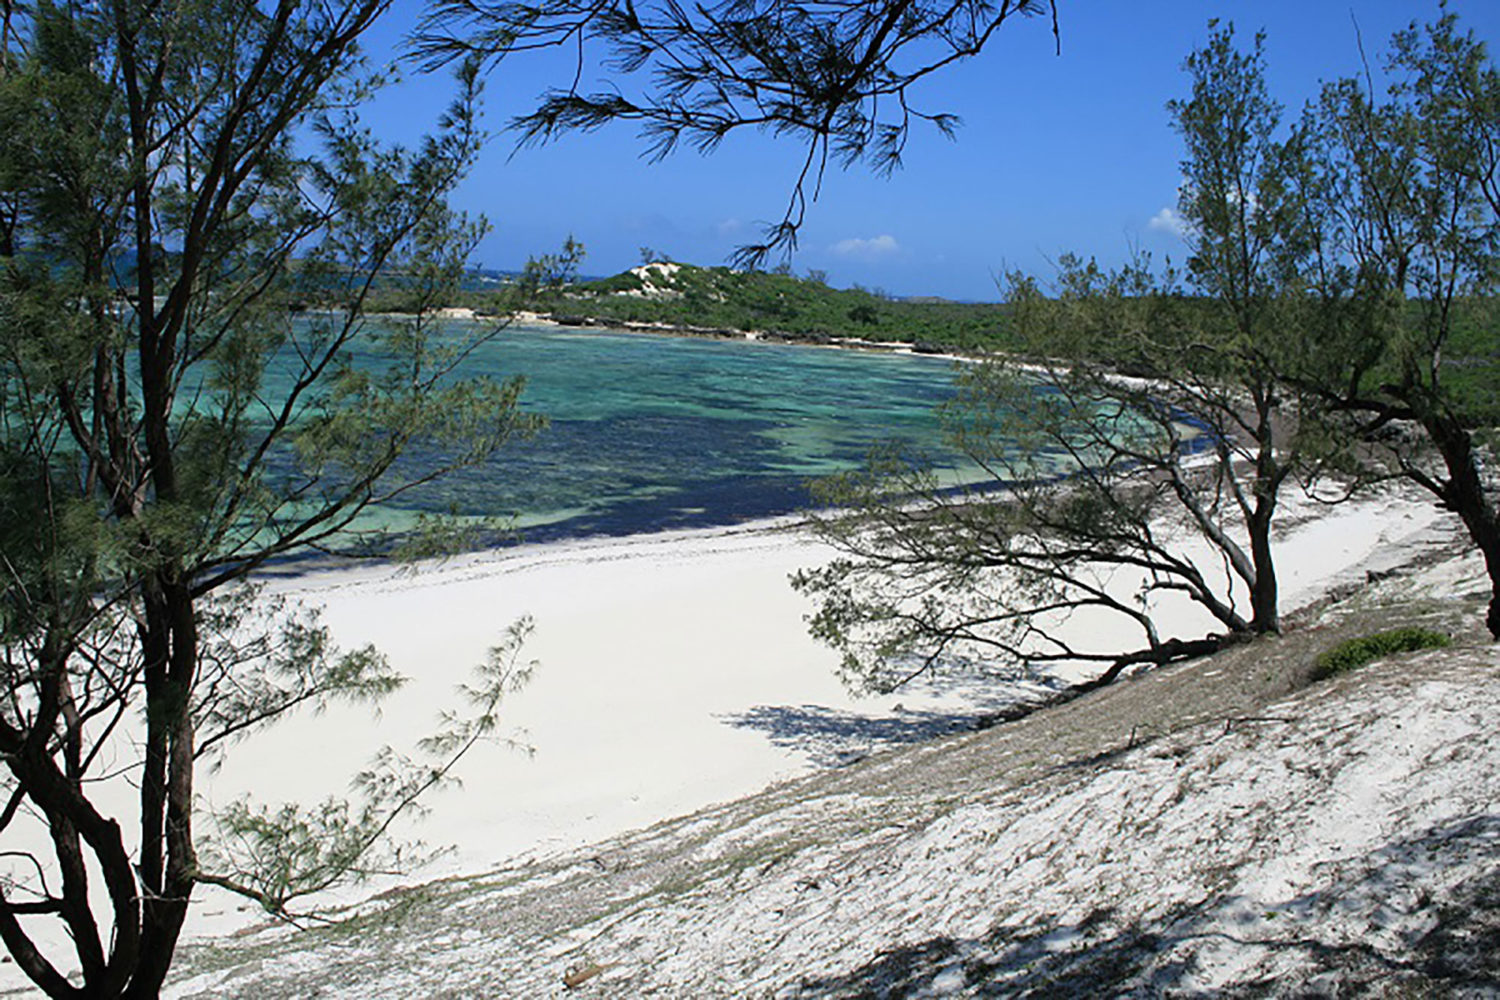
1175 834
673 671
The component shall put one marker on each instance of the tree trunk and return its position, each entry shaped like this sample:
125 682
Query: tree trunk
1463 493
1265 615
168 862
66 809
1171 651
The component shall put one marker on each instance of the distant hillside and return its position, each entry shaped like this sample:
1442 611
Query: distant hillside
718 299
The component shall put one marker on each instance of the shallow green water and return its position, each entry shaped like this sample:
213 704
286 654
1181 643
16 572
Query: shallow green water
652 432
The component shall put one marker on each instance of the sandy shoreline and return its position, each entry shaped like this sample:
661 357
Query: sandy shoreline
674 671
1212 823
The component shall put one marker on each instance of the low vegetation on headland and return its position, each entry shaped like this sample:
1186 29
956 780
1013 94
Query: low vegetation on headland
675 297
718 301
779 305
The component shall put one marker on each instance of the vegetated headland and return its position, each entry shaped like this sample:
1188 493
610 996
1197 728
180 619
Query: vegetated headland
668 297
778 306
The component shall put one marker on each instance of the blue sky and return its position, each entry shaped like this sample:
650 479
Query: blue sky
1055 153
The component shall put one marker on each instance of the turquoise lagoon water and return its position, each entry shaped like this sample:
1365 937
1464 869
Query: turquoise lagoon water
651 432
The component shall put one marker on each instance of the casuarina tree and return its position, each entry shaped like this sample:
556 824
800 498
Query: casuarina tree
179 182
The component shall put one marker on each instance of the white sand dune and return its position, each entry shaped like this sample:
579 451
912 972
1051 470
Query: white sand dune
1212 827
673 671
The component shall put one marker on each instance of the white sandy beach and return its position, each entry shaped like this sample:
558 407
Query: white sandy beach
1213 825
673 671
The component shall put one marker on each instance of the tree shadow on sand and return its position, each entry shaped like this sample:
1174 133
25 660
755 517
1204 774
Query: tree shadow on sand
831 737
1376 926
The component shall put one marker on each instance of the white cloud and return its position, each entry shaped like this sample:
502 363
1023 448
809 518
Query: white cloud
729 227
1168 221
867 249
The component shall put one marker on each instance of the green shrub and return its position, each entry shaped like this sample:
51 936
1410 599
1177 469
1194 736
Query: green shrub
1355 653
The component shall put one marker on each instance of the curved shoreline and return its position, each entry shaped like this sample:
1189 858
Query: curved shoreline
1217 796
581 551
785 337
675 673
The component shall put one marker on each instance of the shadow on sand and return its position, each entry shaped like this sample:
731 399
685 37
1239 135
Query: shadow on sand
1375 928
832 738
